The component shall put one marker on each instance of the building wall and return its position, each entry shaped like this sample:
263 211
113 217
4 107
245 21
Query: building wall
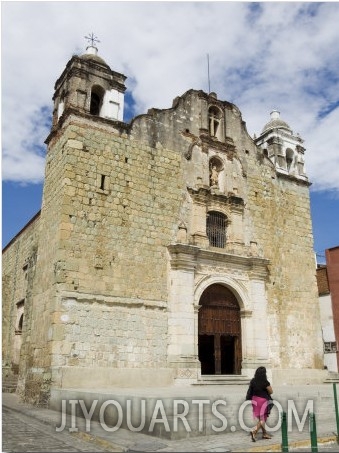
18 261
332 263
111 309
283 229
330 358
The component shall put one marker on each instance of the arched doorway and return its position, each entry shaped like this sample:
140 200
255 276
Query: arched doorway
219 330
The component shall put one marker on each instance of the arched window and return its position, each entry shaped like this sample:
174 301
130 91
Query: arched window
20 317
289 158
216 224
61 106
97 95
214 116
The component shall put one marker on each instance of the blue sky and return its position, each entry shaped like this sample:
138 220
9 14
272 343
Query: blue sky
263 56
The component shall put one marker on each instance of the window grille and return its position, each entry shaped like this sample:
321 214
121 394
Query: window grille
216 229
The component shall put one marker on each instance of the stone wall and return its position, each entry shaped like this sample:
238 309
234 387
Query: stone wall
283 230
120 208
120 204
111 333
18 263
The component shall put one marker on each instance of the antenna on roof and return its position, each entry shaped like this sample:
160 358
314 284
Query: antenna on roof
92 39
208 73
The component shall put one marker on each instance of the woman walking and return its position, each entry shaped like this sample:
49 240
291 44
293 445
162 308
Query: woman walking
260 389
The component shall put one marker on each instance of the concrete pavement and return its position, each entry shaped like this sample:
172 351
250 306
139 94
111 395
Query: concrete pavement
96 436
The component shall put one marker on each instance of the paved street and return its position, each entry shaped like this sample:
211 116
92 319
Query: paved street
32 429
21 433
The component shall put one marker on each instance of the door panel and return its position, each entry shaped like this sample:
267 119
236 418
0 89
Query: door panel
206 354
219 317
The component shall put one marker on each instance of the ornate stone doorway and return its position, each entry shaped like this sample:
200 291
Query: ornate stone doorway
219 334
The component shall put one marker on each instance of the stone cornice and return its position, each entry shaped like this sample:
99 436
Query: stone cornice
276 132
187 257
297 179
183 256
257 266
69 112
78 66
111 300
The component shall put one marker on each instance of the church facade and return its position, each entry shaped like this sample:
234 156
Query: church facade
167 249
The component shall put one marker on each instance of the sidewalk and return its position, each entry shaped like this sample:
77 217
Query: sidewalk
124 440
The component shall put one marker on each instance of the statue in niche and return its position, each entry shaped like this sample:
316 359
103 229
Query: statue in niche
214 176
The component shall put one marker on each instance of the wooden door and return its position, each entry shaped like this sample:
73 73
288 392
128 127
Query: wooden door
219 316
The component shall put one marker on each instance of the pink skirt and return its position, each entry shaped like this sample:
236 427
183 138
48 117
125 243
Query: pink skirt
259 406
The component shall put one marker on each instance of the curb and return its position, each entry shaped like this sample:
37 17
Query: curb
108 446
293 444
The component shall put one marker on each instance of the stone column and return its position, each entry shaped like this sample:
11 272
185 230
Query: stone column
246 333
199 225
236 227
182 354
256 352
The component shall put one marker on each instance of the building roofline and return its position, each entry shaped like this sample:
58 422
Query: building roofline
21 231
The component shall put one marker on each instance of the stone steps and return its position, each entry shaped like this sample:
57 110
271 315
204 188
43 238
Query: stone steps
9 384
332 377
232 379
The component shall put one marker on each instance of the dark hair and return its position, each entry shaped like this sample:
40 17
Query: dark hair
260 375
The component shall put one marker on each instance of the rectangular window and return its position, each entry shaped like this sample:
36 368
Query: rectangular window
330 346
216 229
102 183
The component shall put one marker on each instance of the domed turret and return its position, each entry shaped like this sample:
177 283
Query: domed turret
275 123
92 54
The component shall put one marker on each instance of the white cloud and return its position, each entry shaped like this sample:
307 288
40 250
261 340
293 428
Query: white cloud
323 168
262 56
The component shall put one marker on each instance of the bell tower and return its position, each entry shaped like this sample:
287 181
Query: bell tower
88 85
283 147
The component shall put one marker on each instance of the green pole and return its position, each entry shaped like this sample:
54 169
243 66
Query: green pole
284 436
336 409
313 434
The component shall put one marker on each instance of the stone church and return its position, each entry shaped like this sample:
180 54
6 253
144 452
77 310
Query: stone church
168 250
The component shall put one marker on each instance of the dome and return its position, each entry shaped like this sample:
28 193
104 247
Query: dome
91 54
275 122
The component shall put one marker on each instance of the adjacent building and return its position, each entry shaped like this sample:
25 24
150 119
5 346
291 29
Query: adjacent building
328 286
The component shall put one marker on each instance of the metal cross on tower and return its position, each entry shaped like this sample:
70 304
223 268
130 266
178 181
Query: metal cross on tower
92 39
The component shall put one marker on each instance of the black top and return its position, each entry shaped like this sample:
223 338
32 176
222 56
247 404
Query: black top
259 388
